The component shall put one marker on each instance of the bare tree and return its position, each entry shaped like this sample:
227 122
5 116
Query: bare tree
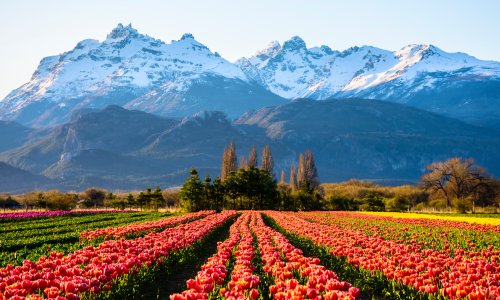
311 172
229 161
301 173
293 179
456 178
283 177
267 163
252 158
243 163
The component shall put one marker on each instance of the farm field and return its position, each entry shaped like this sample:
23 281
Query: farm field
249 255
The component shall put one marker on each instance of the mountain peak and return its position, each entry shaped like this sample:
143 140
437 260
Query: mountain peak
295 43
421 50
120 32
187 36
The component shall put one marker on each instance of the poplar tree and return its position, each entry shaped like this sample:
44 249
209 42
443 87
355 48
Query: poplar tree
293 179
310 170
229 161
301 172
283 177
243 163
252 158
267 163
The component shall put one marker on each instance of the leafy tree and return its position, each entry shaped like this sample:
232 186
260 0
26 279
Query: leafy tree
218 193
336 202
41 202
191 194
207 192
130 200
233 188
62 201
109 199
118 203
373 202
148 196
400 203
171 197
141 200
94 197
309 197
157 199
29 200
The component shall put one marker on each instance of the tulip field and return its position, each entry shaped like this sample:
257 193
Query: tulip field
248 255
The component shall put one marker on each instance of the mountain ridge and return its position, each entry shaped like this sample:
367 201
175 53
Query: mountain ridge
183 77
122 149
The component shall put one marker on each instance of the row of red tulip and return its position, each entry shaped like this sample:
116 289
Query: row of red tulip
214 271
243 283
121 231
435 236
422 221
56 213
281 259
426 270
93 269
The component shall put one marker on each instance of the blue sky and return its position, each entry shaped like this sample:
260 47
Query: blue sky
33 29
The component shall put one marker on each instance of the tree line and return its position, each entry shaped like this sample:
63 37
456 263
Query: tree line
245 183
148 199
455 184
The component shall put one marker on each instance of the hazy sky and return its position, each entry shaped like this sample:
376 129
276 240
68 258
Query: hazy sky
33 29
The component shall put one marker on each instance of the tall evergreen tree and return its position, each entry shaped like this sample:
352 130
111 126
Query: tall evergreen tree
252 158
131 200
207 189
267 162
218 193
141 200
148 196
191 194
157 199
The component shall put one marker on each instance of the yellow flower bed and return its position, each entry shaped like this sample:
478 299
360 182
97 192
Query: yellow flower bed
471 219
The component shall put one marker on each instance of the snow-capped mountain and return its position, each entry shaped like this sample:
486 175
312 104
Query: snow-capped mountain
424 76
129 69
184 77
295 71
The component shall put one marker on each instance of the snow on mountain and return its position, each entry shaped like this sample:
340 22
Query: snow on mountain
183 77
295 71
126 60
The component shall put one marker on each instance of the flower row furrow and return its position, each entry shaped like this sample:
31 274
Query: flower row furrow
281 260
121 231
93 269
428 271
214 271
